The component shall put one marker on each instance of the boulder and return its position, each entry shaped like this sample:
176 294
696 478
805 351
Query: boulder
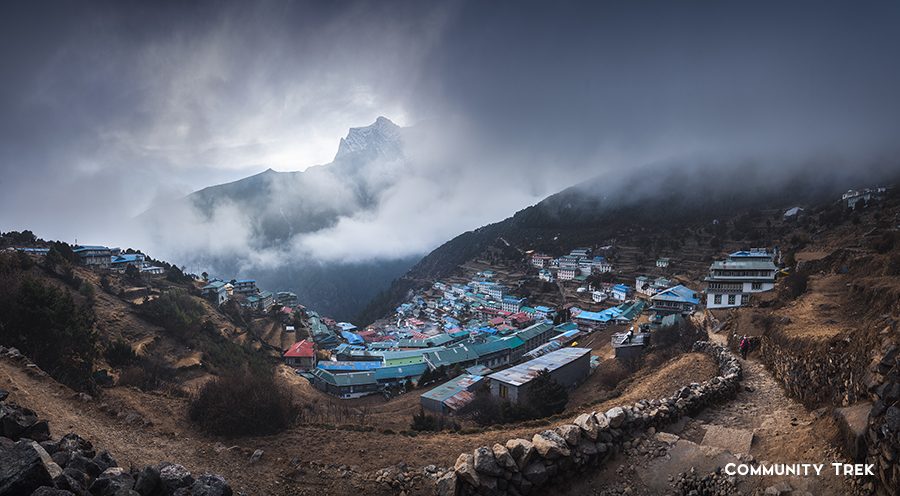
536 473
504 459
104 460
665 437
892 419
571 433
111 481
16 421
74 481
84 465
54 469
21 469
173 477
521 451
616 416
74 443
465 469
446 485
256 456
550 445
734 440
587 422
854 424
147 480
39 432
488 485
587 447
207 485
602 422
486 463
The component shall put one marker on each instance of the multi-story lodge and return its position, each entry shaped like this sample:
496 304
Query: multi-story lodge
94 256
246 287
731 281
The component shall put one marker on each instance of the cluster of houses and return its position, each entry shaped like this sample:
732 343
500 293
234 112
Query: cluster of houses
247 294
577 265
476 356
102 257
504 343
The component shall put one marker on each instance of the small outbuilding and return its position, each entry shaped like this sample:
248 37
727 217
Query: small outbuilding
453 395
568 366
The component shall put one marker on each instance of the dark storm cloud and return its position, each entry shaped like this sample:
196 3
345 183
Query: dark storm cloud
111 106
724 78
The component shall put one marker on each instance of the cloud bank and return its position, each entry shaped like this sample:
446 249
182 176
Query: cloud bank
108 108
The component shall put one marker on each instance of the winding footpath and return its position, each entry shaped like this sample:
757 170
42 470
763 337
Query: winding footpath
762 426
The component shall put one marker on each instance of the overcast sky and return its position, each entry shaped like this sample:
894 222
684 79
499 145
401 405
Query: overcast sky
108 107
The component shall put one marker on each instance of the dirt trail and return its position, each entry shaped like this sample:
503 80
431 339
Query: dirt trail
783 432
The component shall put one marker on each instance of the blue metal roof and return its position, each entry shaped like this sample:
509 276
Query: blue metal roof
90 247
352 338
348 366
678 293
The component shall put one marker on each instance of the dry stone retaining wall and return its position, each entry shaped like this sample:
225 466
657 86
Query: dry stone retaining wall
521 465
865 380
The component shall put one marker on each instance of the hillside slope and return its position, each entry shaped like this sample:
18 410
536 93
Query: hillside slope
692 214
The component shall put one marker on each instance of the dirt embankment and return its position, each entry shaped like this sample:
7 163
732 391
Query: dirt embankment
167 435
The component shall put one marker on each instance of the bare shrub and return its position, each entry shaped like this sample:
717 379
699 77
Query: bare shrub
240 403
611 373
673 340
148 374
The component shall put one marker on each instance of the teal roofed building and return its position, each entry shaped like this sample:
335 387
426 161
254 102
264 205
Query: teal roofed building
349 385
462 355
492 354
535 335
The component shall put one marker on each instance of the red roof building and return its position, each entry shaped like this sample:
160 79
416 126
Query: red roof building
301 354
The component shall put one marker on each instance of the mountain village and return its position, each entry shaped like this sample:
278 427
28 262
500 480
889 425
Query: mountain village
492 329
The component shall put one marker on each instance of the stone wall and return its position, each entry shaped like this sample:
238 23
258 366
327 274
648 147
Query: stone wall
520 466
862 378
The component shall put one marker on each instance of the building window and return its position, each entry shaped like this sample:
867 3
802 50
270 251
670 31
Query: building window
717 299
731 299
756 286
504 391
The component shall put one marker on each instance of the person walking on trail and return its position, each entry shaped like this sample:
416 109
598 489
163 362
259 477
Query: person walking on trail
743 347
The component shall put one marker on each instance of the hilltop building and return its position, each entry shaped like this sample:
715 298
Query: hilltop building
731 282
94 256
216 292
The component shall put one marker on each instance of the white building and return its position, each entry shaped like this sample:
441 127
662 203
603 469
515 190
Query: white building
732 281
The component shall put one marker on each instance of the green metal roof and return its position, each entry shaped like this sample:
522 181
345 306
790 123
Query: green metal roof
349 379
534 331
451 356
514 342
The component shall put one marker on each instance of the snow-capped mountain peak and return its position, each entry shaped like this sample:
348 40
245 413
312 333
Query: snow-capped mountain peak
383 138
